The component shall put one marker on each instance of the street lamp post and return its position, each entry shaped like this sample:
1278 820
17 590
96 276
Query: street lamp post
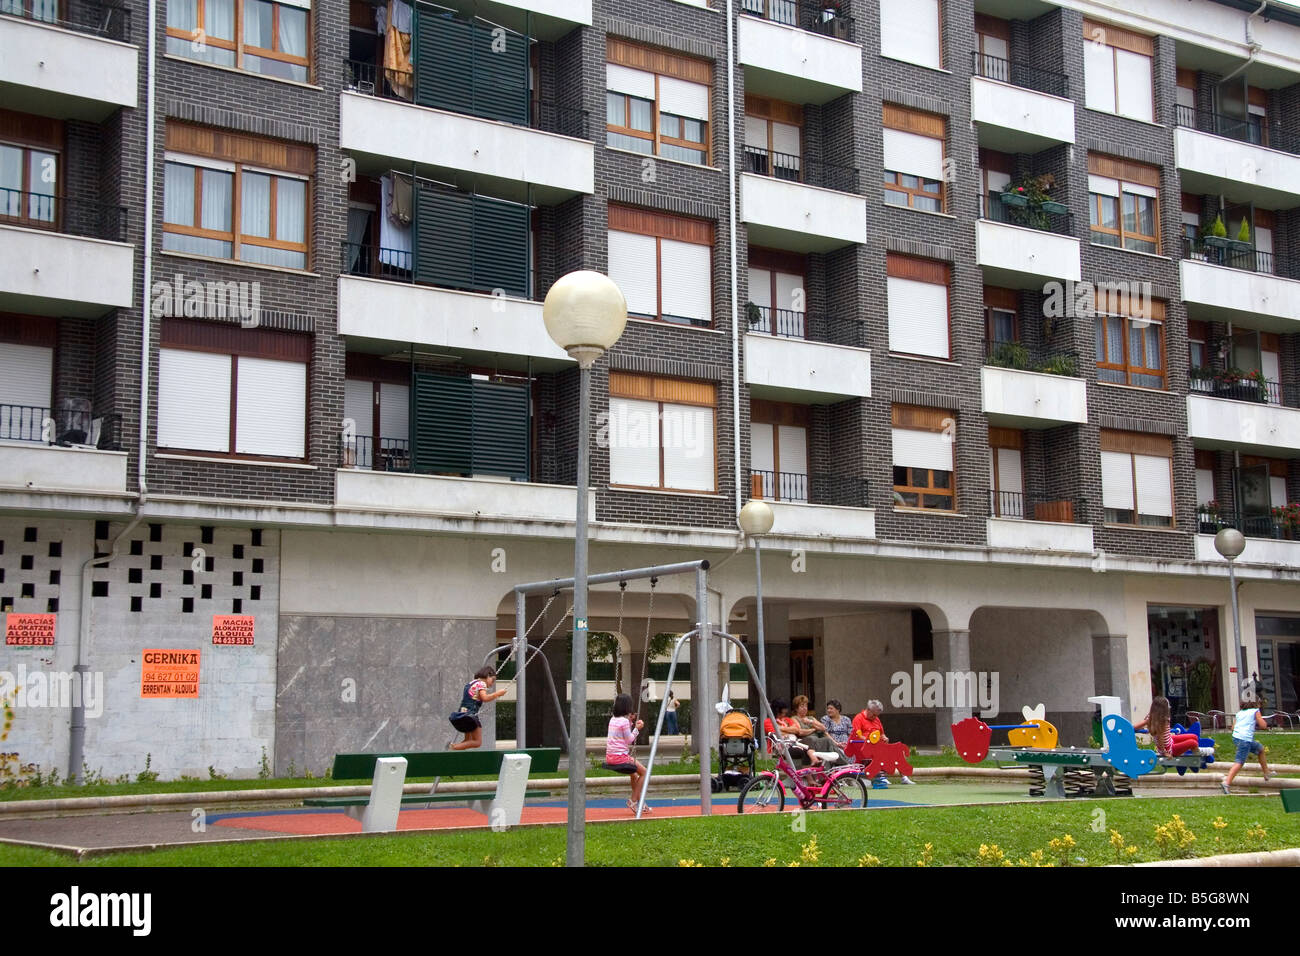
756 519
1230 542
585 313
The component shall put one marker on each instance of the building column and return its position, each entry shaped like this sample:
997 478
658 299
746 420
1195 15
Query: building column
951 656
1110 668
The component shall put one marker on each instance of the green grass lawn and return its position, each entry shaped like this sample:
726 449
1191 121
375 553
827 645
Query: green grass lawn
893 837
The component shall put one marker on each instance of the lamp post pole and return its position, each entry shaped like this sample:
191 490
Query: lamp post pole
1230 542
755 520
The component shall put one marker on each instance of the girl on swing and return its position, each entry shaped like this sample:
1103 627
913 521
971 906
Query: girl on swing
477 693
618 747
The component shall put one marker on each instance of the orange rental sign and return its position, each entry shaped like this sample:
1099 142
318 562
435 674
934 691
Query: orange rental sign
167 672
235 629
30 630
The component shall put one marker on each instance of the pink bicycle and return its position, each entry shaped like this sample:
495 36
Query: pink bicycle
833 788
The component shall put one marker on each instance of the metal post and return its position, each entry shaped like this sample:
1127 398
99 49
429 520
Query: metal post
1236 630
521 654
762 653
659 724
575 848
701 710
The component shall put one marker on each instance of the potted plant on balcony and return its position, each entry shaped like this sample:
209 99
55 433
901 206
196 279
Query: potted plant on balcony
1201 378
1207 516
1060 365
754 313
1215 235
1010 355
1287 520
1260 383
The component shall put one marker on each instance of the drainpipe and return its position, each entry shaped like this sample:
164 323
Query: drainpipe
77 728
731 213
1254 45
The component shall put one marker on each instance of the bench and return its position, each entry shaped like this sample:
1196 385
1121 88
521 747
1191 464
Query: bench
388 773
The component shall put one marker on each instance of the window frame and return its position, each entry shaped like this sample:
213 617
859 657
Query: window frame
26 195
658 64
1128 368
660 226
923 419
766 110
1125 443
902 119
635 387
1121 234
1009 439
927 271
1134 43
778 415
237 46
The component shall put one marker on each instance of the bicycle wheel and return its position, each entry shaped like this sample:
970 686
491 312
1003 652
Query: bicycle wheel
763 794
846 792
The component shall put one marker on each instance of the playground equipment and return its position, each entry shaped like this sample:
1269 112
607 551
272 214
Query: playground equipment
883 758
838 788
1082 771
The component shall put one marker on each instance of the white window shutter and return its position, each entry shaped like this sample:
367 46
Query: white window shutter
756 132
632 266
394 411
1098 76
688 447
760 287
621 79
1103 186
914 154
918 317
760 448
687 280
918 449
909 30
359 405
785 139
271 408
1154 489
1010 478
1204 485
793 445
1117 480
193 400
633 442
683 99
26 376
1277 491
786 287
1133 83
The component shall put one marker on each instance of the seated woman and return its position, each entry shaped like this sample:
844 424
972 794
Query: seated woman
789 729
838 726
812 732
1156 724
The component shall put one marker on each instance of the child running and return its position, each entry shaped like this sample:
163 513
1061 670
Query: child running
618 747
476 694
1243 737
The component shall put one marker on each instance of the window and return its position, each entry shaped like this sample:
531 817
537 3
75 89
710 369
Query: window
1117 71
27 360
910 31
1204 461
776 288
918 306
1001 320
231 391
923 458
1131 350
661 433
29 174
1124 203
380 410
224 207
254 35
1185 97
913 158
1137 479
663 264
657 102
46 11
1198 355
778 449
1006 473
993 42
773 133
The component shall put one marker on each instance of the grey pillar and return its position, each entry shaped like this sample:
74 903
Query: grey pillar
951 655
1110 668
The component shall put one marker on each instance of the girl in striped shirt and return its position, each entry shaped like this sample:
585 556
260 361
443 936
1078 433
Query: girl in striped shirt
618 747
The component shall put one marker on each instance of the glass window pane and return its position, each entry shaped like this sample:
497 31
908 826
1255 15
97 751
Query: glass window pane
219 19
217 190
1139 245
642 115
42 172
1135 345
1153 348
1115 340
290 210
895 198
900 476
269 67
45 10
941 479
258 18
1004 326
926 203
943 502
197 245
1101 341
623 141
11 167
178 195
615 109
293 31
682 154
183 14
670 125
908 181
285 258
1109 212
693 130
255 209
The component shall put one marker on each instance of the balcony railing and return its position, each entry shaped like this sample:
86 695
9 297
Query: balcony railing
806 14
392 454
782 485
1211 521
83 16
992 207
23 423
841 490
1017 355
767 162
60 214
811 326
1020 74
1015 504
376 262
1242 388
1230 253
1251 130
27 423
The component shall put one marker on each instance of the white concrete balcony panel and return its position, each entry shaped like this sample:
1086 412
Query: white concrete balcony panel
802 520
1258 551
465 322
1016 120
1020 399
1021 535
542 19
796 65
360 489
1024 258
1228 424
807 372
1241 171
500 155
1254 299
33 467
800 218
53 273
53 71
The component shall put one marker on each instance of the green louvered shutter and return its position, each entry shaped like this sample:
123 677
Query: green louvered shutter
500 246
500 75
444 236
441 424
442 54
500 443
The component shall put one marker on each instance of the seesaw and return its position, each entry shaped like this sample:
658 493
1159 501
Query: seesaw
1088 771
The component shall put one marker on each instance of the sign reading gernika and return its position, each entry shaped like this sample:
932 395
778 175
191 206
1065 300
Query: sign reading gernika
234 629
168 672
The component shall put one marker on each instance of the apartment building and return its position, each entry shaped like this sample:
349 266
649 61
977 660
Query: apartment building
994 301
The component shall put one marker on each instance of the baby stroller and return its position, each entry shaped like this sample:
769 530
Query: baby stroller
736 750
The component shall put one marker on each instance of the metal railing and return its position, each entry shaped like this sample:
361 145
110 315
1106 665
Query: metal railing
1210 521
992 207
1020 74
360 76
811 326
1228 252
1244 388
811 172
1015 504
1018 356
393 454
782 485
376 262
23 423
841 490
806 14
27 423
60 214
1253 129
83 16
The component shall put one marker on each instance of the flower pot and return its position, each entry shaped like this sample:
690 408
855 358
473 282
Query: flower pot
1218 242
1018 200
1056 208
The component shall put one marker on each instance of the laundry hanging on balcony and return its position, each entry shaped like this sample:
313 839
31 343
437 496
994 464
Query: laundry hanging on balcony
394 237
395 25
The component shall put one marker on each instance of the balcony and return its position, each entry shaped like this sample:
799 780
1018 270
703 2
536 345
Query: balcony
1024 391
78 455
398 493
804 369
543 145
81 67
796 169
1242 160
1022 522
1259 417
1270 538
783 214
839 505
62 257
542 19
1021 248
790 52
1233 282
1020 109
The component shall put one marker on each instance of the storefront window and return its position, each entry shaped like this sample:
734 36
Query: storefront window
1185 666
